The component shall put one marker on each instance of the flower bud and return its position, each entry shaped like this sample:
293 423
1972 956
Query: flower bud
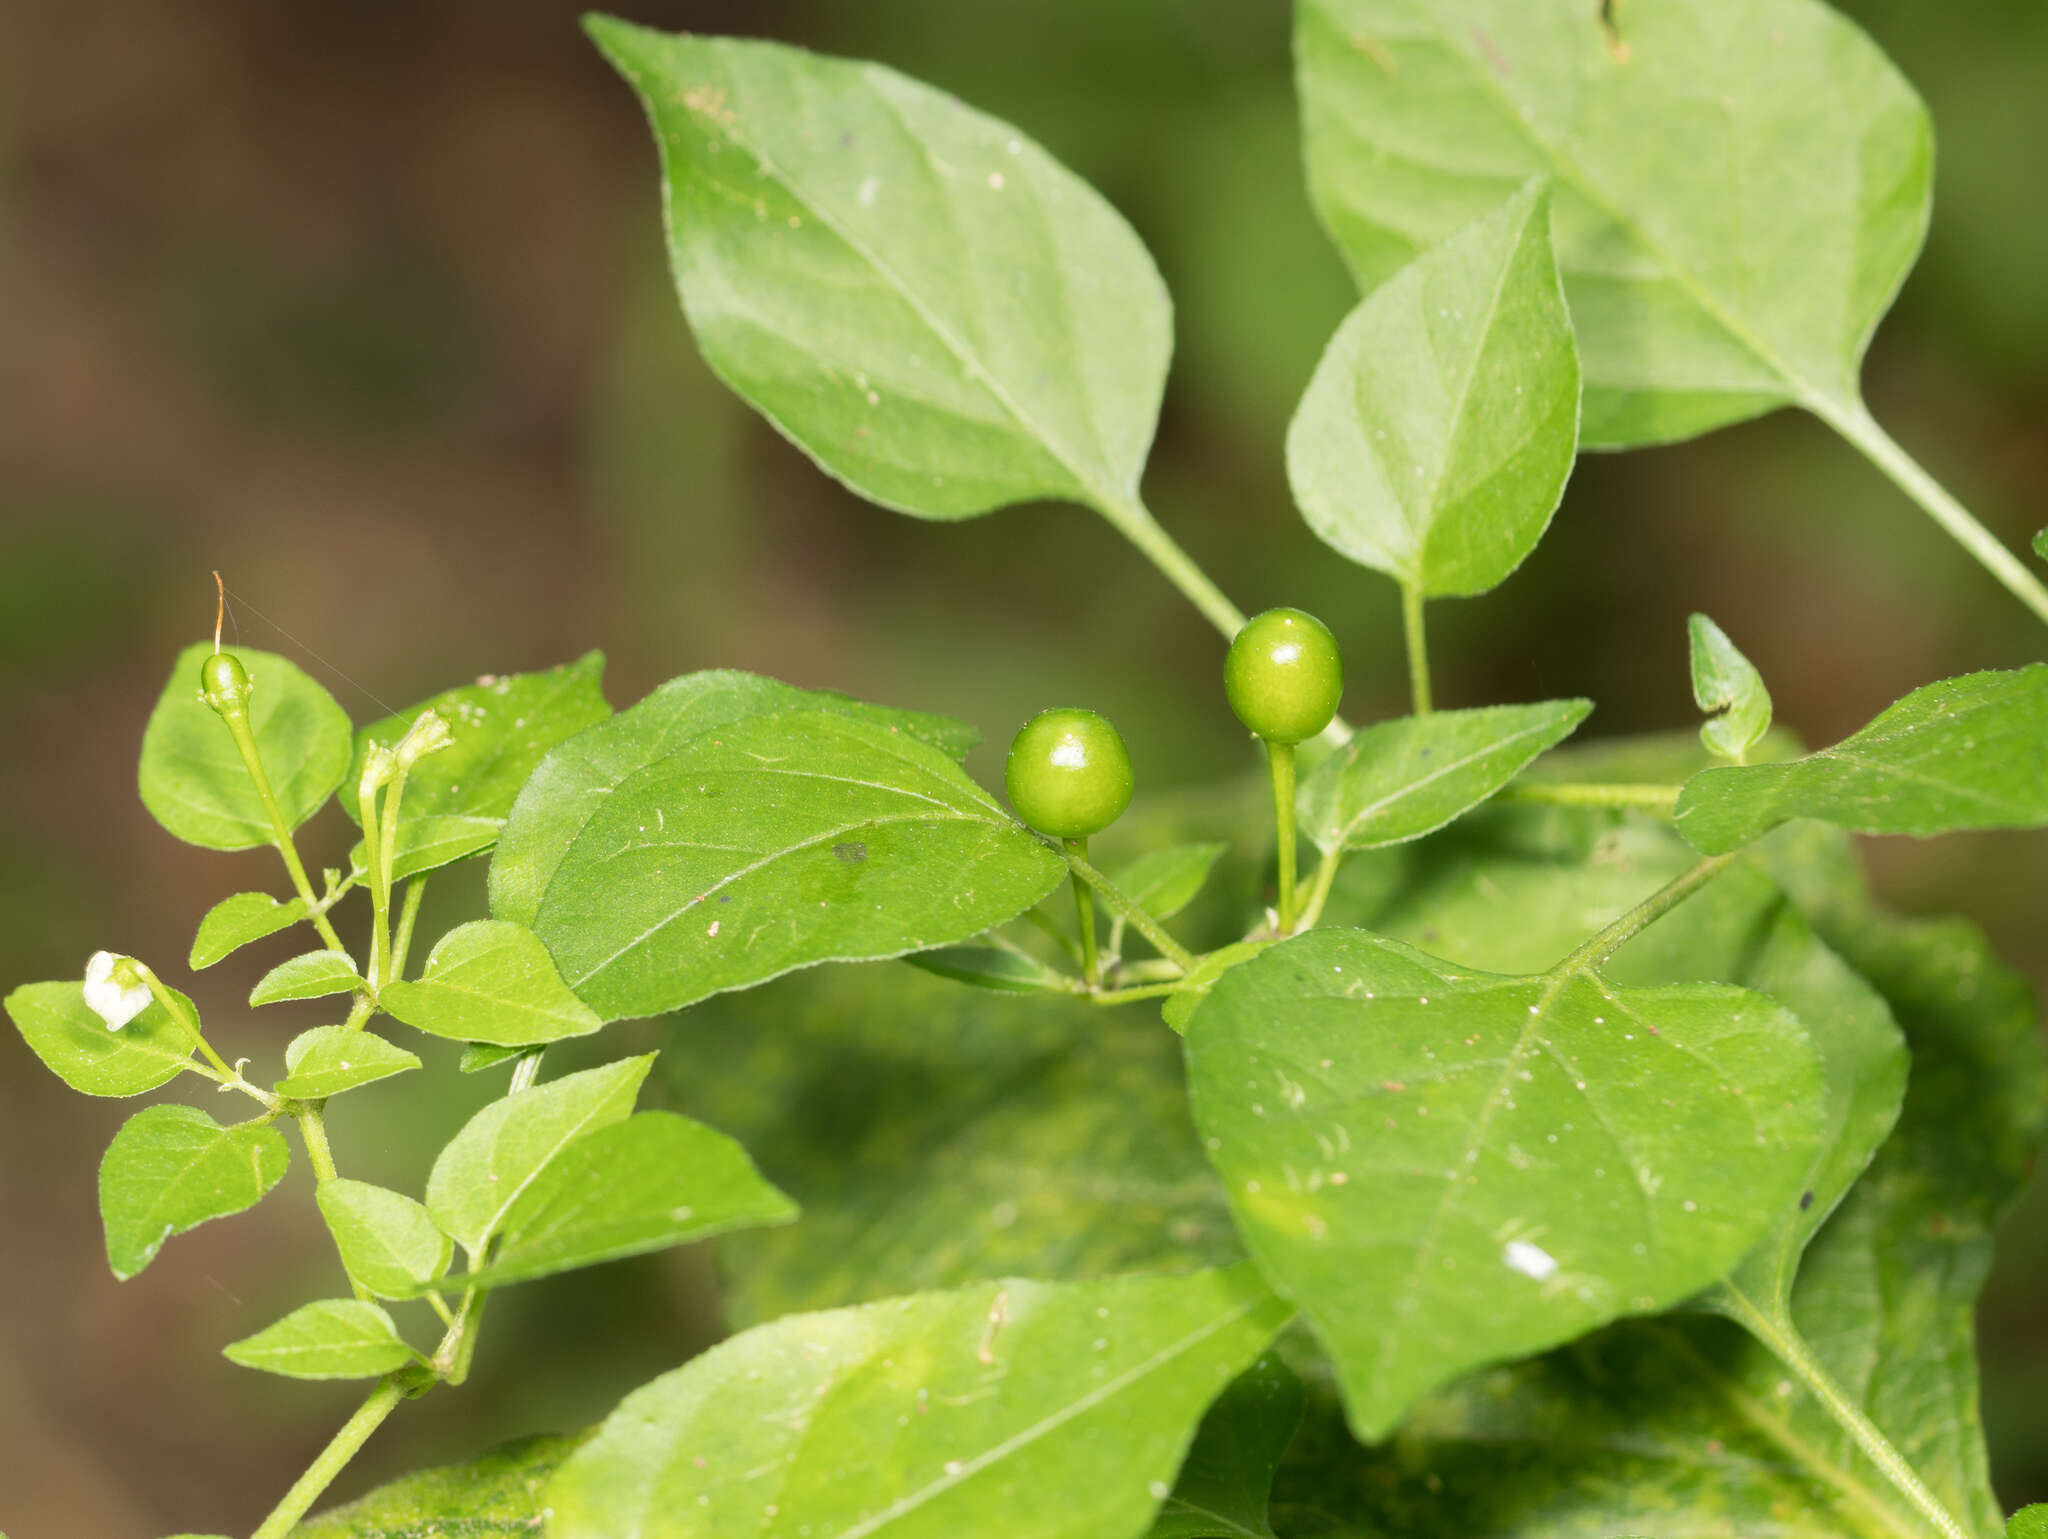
224 684
116 988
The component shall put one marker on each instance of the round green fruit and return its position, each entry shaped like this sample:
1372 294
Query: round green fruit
224 683
1069 774
1284 675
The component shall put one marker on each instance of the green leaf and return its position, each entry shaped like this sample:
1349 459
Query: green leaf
2030 1522
502 728
477 1056
329 1339
1401 779
1163 882
62 1030
650 1182
1434 441
497 1496
1706 285
917 295
777 843
312 976
331 1059
504 1148
1180 1006
1723 680
991 967
234 922
1445 1169
427 844
581 775
193 780
1008 1410
2041 550
1963 753
388 1242
490 981
1227 1477
171 1168
945 1136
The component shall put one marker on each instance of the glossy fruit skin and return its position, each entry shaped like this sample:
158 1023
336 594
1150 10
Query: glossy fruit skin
1069 774
224 683
1284 675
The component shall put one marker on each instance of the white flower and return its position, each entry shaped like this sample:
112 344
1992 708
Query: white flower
114 988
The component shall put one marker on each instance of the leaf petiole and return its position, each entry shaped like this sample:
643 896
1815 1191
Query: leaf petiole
1416 634
1281 758
1115 898
245 744
1597 949
1084 907
1560 793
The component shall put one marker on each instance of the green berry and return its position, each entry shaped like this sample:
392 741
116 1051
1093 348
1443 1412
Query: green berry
1069 774
224 683
1284 675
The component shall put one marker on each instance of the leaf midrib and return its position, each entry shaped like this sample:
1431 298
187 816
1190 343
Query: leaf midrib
1416 786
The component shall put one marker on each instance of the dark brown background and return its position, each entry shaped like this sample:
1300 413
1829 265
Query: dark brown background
363 303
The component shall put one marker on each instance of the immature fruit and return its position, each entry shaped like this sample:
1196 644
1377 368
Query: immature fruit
1069 774
1284 675
224 683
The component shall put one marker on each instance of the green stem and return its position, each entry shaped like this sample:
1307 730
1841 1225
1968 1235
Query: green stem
1854 422
1143 991
1319 890
281 834
1790 1348
313 1129
380 883
1563 793
333 1458
1418 646
1646 913
1084 905
387 859
1065 941
401 944
175 1008
1280 756
1142 922
1135 523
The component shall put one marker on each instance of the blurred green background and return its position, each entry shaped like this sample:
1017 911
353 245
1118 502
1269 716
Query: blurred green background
364 305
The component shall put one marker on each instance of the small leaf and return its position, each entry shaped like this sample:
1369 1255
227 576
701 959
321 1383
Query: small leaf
1401 779
193 780
171 1168
427 844
1180 1005
491 981
1963 753
917 295
477 1056
1008 1411
387 1241
1725 681
650 1182
502 728
1163 882
503 1148
1705 288
497 1496
2041 550
579 776
234 922
63 1031
1434 441
991 967
1227 1478
331 1059
329 1339
775 843
1445 1169
312 976
2030 1522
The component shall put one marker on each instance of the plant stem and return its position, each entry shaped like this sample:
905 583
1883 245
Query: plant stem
387 860
1853 421
1281 758
1065 941
174 1007
380 883
313 1128
1135 523
280 831
1319 890
320 1474
1084 905
401 944
1790 1348
1646 913
1142 991
1140 921
1564 793
1418 647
